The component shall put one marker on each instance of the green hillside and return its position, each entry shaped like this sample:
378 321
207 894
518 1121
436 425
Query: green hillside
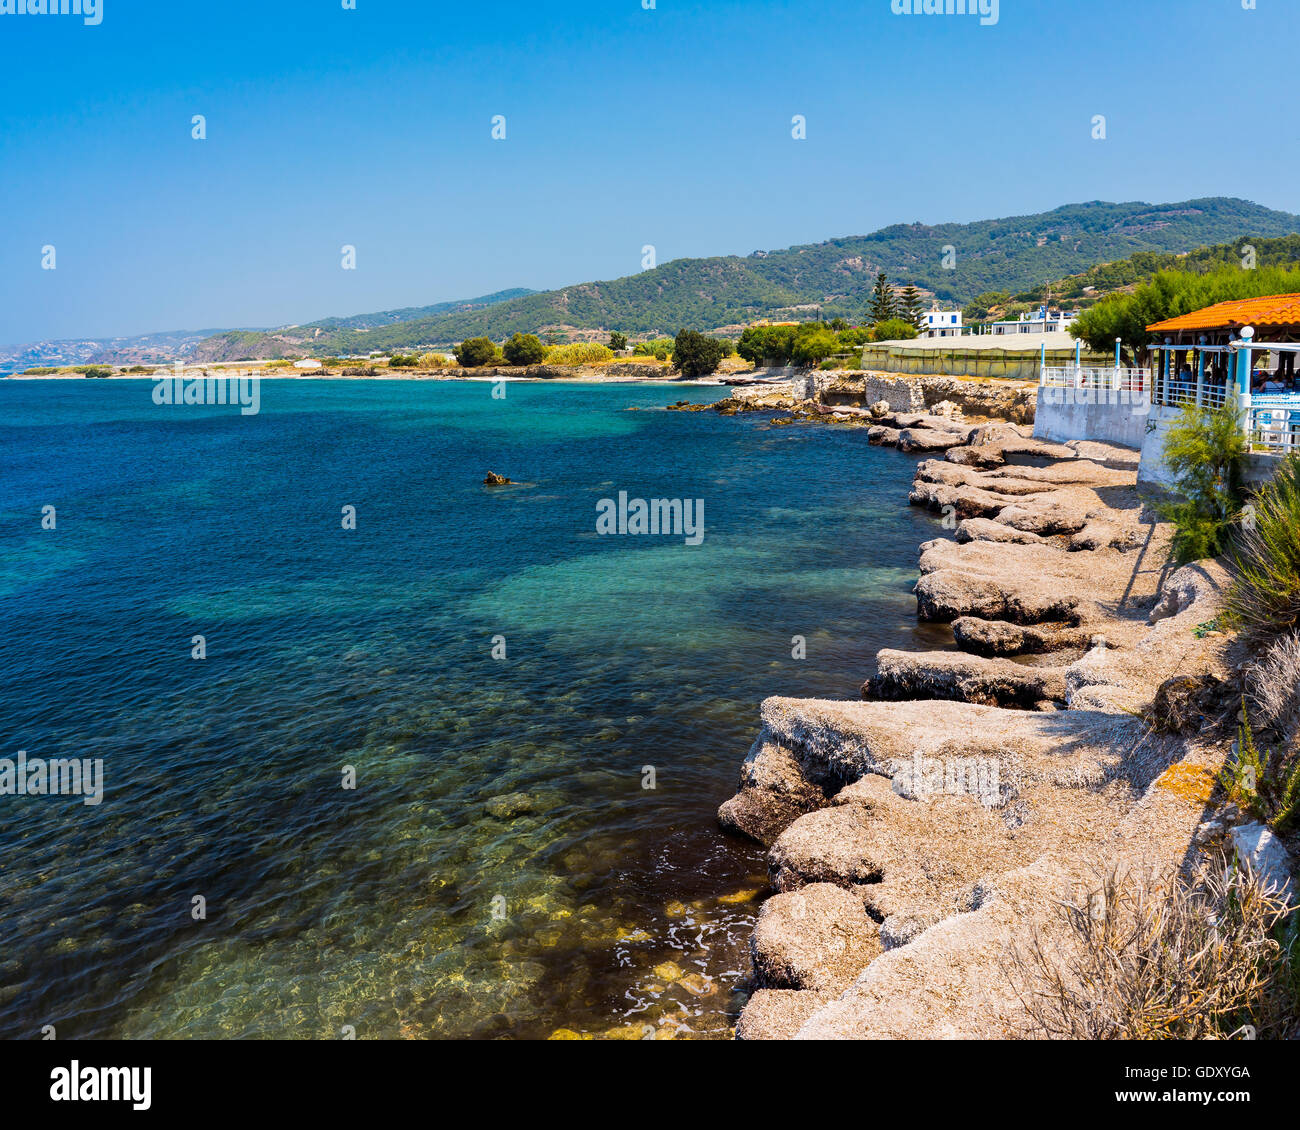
1085 289
827 279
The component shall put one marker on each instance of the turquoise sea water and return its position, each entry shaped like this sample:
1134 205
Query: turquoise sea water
419 904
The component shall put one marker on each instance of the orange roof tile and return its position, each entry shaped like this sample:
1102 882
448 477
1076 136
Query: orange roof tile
1270 310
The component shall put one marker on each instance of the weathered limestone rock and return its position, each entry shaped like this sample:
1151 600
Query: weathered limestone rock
777 1014
817 938
1099 534
964 502
986 529
832 845
1044 517
773 793
900 929
883 436
964 678
1184 588
948 594
996 637
1256 846
927 439
969 456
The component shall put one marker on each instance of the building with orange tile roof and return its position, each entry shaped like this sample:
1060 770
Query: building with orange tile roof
1272 310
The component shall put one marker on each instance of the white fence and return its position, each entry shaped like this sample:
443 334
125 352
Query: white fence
1101 379
1272 422
1175 393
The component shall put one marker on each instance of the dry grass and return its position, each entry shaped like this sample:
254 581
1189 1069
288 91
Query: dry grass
1144 957
1273 685
436 361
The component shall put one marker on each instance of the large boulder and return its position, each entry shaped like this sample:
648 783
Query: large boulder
997 637
927 439
986 529
817 938
773 793
777 1014
833 845
948 594
964 678
1267 857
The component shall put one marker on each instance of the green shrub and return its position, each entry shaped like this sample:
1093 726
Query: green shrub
524 349
1262 783
810 348
1264 596
1205 451
476 351
617 341
767 344
892 329
661 348
695 354
403 361
578 353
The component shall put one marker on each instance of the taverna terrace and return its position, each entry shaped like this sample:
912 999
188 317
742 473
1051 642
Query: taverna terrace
1245 348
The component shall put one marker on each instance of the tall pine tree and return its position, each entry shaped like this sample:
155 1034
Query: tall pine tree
909 309
883 304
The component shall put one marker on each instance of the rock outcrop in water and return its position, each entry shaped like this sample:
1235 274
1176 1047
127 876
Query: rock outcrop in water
925 827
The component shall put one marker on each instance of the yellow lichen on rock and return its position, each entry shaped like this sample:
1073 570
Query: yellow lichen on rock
1193 783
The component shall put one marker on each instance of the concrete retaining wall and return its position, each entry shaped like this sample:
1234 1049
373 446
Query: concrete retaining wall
1064 414
1152 471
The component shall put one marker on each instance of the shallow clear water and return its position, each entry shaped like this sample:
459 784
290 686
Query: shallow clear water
411 905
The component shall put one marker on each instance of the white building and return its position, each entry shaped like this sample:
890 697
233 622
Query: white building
306 363
941 323
1036 322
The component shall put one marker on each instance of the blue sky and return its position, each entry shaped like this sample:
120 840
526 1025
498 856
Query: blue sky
625 126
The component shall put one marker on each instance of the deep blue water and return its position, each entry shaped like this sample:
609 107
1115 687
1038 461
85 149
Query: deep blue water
410 905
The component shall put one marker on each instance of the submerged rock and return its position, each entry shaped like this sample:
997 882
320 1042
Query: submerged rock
509 805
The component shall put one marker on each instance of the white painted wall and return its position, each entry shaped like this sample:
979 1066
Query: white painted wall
1065 414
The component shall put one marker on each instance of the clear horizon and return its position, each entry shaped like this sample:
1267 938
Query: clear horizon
624 127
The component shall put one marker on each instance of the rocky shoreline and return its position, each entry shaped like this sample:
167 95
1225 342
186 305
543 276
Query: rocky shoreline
914 835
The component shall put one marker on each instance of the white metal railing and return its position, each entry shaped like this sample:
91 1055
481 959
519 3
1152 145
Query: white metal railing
1103 378
1178 393
1175 393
